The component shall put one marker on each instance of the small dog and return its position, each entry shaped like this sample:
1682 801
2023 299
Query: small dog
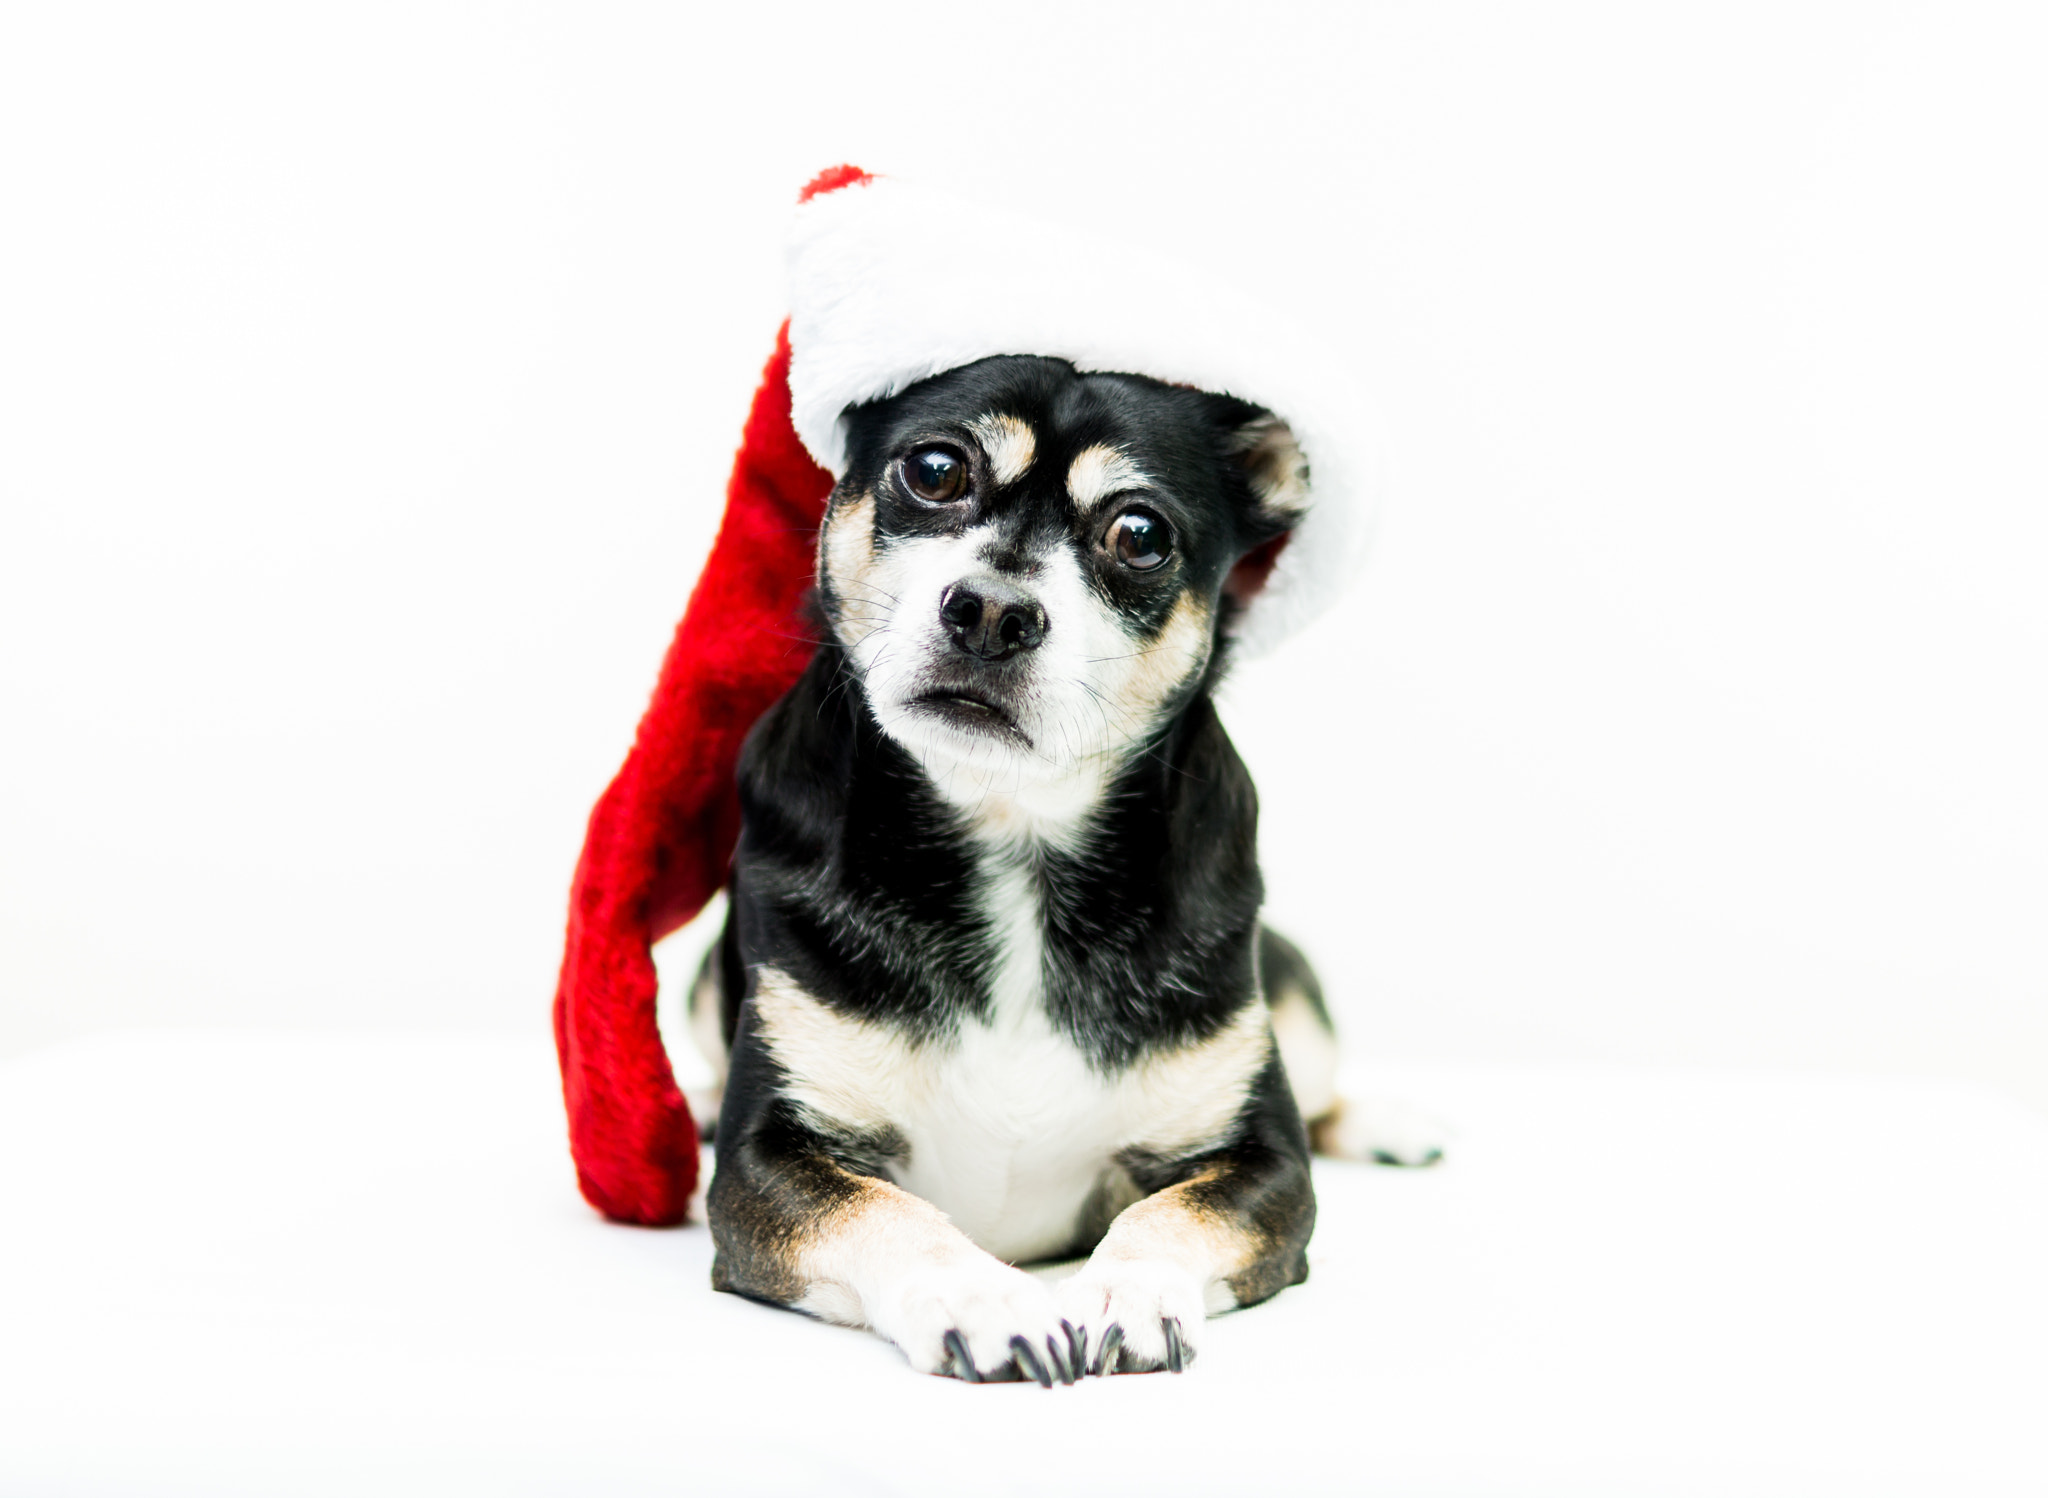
993 987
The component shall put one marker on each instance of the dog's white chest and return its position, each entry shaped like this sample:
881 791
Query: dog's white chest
1012 1137
1011 1132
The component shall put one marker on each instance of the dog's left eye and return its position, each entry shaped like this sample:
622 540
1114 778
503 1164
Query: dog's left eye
936 475
1140 541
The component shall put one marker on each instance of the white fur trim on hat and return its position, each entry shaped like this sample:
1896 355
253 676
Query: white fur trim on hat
891 283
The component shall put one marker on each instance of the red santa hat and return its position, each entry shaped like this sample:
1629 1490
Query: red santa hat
889 283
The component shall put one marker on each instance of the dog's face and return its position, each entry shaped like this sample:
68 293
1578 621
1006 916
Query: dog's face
1028 567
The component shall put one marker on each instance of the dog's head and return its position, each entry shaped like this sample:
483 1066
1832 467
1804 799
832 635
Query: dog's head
1030 568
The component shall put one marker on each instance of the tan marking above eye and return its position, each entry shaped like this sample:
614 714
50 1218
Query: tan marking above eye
1010 443
1098 472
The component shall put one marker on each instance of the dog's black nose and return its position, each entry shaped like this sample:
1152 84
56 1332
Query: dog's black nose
991 620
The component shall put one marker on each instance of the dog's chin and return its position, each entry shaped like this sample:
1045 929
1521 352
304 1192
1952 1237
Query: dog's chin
966 718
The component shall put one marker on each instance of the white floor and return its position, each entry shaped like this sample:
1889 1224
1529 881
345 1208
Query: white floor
244 1264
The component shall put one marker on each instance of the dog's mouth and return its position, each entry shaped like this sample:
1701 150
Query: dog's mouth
971 712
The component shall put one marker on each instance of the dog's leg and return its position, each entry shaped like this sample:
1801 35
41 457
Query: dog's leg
1225 1229
1381 1131
795 1227
712 1010
798 1223
706 999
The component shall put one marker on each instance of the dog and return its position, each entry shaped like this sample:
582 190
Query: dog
993 987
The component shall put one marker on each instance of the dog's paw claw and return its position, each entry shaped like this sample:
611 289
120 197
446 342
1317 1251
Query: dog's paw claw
1108 1351
959 1362
1057 1360
1421 1161
1029 1362
1077 1348
1176 1354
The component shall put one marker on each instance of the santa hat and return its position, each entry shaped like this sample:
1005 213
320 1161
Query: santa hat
889 283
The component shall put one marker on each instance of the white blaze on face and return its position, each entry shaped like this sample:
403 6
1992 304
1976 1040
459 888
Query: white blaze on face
1083 699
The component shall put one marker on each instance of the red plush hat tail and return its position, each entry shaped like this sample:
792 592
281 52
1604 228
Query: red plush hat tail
661 839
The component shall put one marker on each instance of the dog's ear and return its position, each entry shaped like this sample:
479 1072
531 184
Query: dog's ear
1261 449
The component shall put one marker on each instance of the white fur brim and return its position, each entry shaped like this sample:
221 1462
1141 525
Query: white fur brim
891 283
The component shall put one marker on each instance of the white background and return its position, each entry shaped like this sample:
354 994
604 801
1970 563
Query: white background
368 378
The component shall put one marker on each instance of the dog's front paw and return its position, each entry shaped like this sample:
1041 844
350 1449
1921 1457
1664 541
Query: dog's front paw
982 1322
1137 1315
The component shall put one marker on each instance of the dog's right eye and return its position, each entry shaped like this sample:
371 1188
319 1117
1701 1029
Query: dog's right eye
936 475
1140 540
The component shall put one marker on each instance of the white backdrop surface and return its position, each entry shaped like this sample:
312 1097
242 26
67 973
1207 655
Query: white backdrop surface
1622 1285
368 376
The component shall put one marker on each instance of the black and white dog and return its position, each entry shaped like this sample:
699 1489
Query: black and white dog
993 987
